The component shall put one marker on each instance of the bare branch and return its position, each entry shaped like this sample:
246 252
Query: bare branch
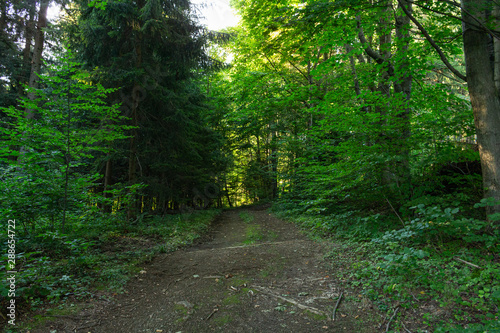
438 71
436 11
442 56
336 306
480 25
467 263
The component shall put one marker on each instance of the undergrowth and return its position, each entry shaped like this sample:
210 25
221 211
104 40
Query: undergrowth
432 255
54 267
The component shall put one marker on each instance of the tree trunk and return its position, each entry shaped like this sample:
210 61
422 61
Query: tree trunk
496 45
274 166
384 87
3 16
24 74
107 183
133 157
36 63
402 85
132 164
484 97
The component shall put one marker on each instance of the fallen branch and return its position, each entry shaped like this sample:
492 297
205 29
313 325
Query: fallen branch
336 306
407 330
389 323
214 277
253 245
98 322
297 304
210 315
467 263
399 217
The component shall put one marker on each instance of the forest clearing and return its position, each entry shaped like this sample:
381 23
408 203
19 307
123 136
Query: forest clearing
149 161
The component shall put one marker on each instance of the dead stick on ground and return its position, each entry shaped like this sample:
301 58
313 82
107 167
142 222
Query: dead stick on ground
404 225
389 323
407 330
210 315
336 306
89 325
297 304
467 263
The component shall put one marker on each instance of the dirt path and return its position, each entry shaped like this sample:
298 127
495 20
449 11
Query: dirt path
256 273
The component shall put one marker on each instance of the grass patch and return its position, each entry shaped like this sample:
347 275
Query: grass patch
315 316
224 320
253 234
231 300
246 217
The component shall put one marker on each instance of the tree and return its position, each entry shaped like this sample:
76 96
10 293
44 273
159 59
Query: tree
484 89
71 124
36 62
369 112
481 47
152 50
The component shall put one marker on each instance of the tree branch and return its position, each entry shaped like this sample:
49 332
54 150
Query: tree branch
438 71
369 51
433 43
480 25
436 11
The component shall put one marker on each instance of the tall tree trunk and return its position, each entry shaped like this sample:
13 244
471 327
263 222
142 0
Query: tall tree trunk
402 85
384 87
132 164
29 30
496 45
36 63
133 157
484 96
107 183
3 16
274 166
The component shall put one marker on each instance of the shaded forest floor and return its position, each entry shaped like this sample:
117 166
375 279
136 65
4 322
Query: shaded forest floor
251 273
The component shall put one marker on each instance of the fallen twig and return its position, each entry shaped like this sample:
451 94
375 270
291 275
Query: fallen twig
79 317
389 323
252 245
403 222
336 306
96 323
467 263
297 304
214 277
210 315
382 323
407 330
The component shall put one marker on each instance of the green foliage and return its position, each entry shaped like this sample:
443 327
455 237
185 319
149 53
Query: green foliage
253 234
46 159
439 227
438 256
53 266
152 53
246 217
378 149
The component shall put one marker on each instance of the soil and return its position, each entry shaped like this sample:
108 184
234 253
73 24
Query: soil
252 273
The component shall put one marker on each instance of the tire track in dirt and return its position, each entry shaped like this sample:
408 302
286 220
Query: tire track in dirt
256 274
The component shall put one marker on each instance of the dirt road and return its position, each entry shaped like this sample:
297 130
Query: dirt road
255 273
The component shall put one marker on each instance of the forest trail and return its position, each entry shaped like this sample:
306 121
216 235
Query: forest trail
253 273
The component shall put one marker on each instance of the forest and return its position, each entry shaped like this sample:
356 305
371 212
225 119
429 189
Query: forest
374 124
